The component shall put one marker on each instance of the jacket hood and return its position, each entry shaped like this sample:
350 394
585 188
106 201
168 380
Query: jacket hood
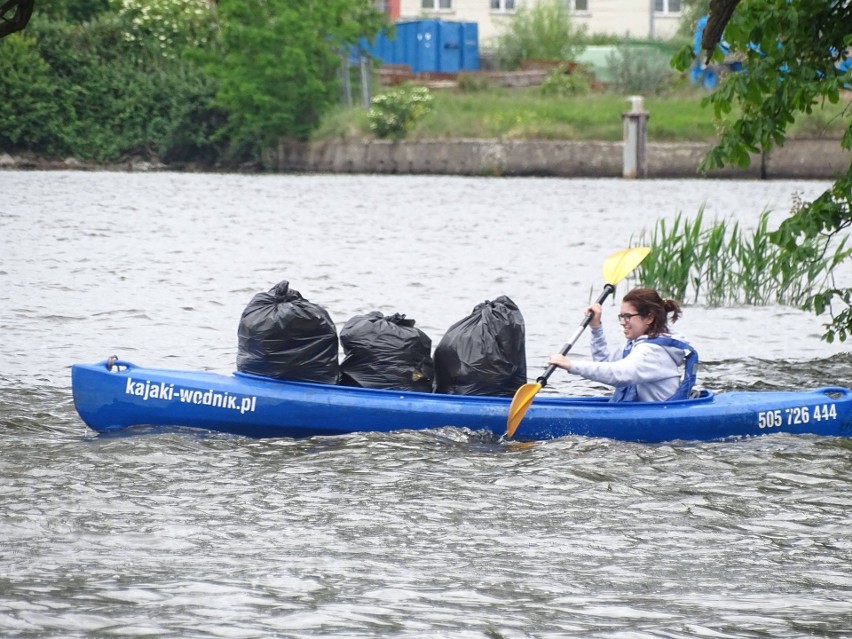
677 354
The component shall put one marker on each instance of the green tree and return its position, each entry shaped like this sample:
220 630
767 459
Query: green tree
279 64
796 59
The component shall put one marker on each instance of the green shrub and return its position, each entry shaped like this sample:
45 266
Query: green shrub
639 69
541 32
171 25
31 115
558 83
395 113
84 90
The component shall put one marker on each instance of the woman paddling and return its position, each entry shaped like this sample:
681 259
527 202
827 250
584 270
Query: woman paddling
648 368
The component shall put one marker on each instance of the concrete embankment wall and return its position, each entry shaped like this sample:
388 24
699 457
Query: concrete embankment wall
797 159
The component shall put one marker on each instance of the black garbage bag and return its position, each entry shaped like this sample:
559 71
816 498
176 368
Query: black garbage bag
386 352
285 336
484 353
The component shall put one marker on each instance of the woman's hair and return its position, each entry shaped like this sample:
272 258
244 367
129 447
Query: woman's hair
648 302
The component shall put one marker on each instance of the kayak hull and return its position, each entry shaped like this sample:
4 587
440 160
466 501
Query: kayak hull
113 395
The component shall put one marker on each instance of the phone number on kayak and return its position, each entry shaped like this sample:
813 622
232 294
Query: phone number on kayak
796 415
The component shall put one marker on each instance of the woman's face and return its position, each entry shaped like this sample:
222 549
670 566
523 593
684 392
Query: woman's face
636 325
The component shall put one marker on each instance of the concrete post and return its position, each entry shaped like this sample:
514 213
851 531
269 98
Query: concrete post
635 139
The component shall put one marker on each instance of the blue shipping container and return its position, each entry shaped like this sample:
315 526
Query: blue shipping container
470 46
429 46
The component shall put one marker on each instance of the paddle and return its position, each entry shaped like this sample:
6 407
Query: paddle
615 268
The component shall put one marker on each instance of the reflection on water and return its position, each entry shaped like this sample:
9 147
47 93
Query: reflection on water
445 533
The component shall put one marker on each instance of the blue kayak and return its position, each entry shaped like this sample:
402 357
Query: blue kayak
115 394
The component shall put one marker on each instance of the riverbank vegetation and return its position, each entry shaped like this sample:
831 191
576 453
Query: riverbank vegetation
176 81
187 83
721 263
501 113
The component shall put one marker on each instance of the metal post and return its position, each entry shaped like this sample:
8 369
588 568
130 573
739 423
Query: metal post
651 29
635 139
347 85
366 81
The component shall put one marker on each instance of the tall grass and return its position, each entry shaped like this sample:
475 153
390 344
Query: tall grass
499 113
721 264
527 113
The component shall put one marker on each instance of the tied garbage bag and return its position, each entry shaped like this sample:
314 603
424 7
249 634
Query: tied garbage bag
484 353
386 352
285 336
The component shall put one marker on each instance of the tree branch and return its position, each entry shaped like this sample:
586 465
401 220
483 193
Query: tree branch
19 13
720 13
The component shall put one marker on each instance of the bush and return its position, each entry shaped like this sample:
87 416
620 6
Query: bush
543 32
31 115
75 89
639 69
172 25
558 83
395 113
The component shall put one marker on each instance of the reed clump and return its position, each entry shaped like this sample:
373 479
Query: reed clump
721 264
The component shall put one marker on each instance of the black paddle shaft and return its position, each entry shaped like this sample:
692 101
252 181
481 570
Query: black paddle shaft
608 289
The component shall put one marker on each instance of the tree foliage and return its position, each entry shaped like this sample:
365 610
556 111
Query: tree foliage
171 26
279 63
85 90
177 80
76 11
795 53
29 111
14 15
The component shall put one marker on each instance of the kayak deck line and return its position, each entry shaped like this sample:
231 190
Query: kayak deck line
114 394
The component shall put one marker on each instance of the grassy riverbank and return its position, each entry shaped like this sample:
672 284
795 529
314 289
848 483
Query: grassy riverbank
499 113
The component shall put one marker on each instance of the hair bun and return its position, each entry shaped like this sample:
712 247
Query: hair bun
671 306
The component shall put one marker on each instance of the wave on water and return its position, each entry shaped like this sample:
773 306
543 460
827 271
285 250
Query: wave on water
756 374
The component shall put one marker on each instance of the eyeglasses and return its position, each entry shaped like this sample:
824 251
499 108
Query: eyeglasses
625 317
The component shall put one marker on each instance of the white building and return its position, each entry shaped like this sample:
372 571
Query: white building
656 19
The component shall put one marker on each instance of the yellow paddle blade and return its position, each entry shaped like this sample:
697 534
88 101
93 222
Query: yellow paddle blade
618 265
524 396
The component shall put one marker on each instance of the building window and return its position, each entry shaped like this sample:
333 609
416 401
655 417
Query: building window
506 6
667 6
437 5
578 6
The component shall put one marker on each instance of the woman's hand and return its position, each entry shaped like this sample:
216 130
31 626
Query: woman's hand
560 361
596 311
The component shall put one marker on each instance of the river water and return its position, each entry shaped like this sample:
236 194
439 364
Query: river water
449 533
